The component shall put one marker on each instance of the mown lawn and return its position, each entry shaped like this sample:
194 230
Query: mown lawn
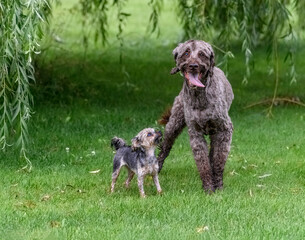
82 101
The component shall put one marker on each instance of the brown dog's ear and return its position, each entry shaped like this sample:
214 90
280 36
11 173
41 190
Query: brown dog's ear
175 53
176 50
212 64
174 70
135 143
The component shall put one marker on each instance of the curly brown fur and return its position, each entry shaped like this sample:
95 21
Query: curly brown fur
202 105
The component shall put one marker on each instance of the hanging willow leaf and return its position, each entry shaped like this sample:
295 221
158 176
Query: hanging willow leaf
95 13
156 6
20 33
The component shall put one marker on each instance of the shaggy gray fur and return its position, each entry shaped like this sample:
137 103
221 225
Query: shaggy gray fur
139 158
202 105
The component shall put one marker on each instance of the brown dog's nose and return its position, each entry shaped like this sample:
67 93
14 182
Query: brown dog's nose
159 133
194 66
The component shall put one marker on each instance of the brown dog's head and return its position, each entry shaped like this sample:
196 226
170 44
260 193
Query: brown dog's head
146 139
195 59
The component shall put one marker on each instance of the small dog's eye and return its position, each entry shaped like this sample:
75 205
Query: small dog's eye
149 134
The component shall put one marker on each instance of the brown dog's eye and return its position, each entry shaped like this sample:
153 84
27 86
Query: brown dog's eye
149 134
202 55
187 53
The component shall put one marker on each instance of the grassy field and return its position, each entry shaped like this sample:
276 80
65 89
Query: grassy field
82 101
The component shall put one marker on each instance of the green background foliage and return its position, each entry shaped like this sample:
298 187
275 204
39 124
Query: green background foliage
248 23
83 98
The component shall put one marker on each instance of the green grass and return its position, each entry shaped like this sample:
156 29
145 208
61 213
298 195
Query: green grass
81 102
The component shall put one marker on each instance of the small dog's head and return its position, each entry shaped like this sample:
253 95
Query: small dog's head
195 59
146 139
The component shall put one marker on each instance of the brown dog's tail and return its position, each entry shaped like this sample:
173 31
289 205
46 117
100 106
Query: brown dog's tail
165 116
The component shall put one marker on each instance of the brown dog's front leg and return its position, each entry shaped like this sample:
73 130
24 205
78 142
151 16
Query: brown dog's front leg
172 129
220 148
200 150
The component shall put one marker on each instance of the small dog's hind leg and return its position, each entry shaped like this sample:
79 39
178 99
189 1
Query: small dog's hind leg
156 181
115 176
129 178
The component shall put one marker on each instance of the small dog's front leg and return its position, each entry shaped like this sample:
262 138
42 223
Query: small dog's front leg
156 181
141 185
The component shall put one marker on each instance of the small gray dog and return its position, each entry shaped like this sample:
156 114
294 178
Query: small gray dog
139 158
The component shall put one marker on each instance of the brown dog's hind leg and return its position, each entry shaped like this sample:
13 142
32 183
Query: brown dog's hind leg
172 129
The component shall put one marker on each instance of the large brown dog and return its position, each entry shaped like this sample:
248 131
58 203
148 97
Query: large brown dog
202 105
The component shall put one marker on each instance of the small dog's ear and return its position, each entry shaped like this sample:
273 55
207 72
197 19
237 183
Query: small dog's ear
135 143
174 70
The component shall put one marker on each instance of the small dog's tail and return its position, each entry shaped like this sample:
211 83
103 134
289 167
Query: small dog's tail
118 143
165 116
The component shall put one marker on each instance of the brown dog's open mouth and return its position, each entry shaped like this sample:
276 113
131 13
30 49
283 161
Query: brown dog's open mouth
194 79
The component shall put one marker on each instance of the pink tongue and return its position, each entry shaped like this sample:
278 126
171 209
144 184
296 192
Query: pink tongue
194 79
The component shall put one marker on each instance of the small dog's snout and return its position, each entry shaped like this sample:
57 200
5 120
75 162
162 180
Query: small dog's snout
194 66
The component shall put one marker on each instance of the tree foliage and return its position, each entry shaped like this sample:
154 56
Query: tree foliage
20 33
250 22
222 22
